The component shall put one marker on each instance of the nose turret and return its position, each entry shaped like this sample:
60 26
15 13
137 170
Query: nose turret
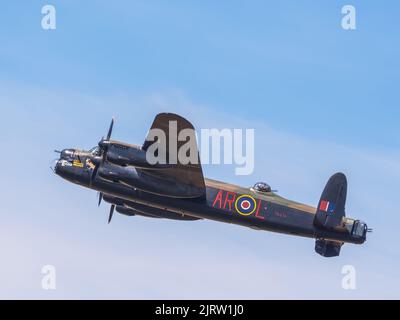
73 165
67 154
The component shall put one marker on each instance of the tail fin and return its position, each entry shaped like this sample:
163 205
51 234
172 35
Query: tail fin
331 207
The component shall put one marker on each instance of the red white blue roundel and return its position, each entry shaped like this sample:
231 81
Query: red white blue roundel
245 205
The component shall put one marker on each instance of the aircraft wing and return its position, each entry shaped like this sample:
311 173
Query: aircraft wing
185 175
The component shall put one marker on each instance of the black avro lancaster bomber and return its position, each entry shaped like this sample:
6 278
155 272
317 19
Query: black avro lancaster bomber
176 189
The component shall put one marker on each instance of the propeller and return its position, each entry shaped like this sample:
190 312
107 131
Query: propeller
110 129
98 161
112 208
111 213
100 198
103 145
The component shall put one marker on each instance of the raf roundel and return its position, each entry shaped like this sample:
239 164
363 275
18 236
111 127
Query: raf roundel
245 205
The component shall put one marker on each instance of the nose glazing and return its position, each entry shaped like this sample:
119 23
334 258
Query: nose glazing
67 154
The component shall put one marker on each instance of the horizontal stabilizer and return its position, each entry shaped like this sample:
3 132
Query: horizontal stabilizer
327 248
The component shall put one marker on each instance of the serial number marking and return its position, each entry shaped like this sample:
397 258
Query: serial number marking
231 310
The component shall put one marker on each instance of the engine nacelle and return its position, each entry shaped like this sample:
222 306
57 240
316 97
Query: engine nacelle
145 181
131 156
125 211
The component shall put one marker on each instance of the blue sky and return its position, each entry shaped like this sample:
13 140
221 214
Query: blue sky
320 98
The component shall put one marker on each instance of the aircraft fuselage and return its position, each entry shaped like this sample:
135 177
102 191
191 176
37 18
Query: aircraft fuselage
223 202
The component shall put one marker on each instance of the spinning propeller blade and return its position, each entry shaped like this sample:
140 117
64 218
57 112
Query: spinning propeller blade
103 145
100 198
112 208
111 213
110 129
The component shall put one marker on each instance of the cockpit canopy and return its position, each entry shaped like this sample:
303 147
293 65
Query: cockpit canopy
262 187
